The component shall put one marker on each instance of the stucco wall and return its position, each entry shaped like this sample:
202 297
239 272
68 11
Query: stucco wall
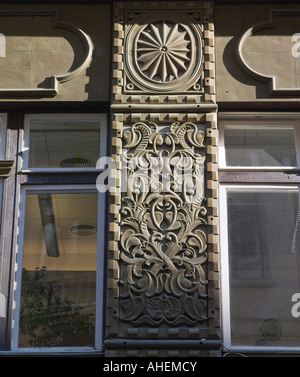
59 53
254 52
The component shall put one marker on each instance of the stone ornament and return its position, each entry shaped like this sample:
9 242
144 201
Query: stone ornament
55 80
162 51
274 22
163 228
165 53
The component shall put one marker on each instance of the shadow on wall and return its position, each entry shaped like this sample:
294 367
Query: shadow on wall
46 54
263 55
37 47
233 67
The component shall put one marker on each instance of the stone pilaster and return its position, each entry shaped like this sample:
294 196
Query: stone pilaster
163 267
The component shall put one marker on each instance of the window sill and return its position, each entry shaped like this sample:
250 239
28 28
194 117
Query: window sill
258 169
272 351
52 352
60 170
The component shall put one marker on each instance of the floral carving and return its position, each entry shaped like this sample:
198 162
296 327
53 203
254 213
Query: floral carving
162 51
163 241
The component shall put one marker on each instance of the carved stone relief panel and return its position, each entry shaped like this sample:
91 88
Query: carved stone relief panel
162 50
165 53
163 235
163 264
163 255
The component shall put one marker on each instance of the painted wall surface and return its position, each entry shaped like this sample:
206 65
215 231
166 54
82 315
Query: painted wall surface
55 53
257 55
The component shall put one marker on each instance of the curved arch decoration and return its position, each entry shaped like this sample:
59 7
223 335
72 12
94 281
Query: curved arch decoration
54 79
274 90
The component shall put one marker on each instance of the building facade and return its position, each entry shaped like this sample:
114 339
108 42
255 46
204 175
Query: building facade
150 178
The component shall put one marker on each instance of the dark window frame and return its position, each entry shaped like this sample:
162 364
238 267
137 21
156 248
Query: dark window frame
17 179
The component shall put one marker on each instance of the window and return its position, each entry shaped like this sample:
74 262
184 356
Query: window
260 243
273 144
58 298
65 141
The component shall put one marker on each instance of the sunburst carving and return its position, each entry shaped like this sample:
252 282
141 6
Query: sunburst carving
163 51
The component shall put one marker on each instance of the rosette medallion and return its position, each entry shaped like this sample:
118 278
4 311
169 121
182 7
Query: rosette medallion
164 53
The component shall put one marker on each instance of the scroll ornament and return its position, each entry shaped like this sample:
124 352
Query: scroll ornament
163 240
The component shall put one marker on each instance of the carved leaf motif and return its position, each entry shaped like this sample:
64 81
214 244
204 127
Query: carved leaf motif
163 306
132 307
163 240
139 136
196 308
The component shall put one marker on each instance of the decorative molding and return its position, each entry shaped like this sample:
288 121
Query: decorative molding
169 53
163 275
270 80
213 248
55 79
159 106
164 53
163 259
163 240
163 348
6 168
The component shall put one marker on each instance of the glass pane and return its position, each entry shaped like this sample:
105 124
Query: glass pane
260 147
263 237
58 294
64 144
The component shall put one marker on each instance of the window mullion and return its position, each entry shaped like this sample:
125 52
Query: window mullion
8 221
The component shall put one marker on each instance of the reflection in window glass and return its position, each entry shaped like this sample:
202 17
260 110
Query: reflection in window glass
58 294
263 242
65 144
260 147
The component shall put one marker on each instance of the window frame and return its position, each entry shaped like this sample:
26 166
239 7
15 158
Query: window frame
250 177
3 132
21 179
225 268
253 122
100 269
44 117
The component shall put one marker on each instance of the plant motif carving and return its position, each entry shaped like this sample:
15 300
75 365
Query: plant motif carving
163 240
